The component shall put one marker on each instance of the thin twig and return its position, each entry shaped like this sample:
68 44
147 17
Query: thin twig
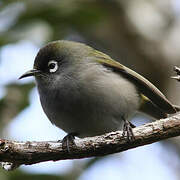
177 70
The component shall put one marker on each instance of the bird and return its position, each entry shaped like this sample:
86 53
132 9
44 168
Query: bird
86 93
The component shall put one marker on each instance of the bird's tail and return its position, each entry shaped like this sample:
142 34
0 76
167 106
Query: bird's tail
149 108
177 108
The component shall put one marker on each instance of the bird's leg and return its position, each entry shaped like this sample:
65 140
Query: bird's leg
68 140
127 130
132 125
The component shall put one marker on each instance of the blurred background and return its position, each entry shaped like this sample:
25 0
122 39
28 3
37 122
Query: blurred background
143 35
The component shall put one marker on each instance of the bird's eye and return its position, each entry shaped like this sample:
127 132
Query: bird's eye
53 66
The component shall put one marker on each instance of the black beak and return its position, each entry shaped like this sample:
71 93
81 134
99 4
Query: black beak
30 73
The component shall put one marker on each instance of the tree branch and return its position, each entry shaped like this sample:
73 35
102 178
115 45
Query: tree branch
18 153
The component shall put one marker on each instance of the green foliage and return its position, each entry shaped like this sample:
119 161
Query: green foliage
17 175
15 100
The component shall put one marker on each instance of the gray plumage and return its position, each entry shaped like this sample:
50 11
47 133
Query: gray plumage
84 91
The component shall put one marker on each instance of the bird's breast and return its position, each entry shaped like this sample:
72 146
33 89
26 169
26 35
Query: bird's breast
92 104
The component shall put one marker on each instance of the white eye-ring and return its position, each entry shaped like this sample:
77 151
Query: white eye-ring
53 66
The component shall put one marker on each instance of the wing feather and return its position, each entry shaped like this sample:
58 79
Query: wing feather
145 87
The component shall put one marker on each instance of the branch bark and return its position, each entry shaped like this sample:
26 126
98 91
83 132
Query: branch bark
18 153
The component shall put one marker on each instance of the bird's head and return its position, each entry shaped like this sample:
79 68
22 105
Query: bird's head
57 58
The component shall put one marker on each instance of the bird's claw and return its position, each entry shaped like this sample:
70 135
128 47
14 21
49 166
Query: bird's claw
68 141
127 130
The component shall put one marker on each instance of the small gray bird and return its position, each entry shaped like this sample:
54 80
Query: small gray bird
86 93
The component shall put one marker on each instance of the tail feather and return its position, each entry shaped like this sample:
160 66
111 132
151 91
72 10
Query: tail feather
152 110
177 107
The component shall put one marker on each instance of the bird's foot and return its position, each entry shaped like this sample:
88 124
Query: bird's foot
68 141
127 130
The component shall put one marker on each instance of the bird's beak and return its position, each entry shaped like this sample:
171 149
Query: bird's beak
30 73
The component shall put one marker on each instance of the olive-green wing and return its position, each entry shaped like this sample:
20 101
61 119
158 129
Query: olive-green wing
145 87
